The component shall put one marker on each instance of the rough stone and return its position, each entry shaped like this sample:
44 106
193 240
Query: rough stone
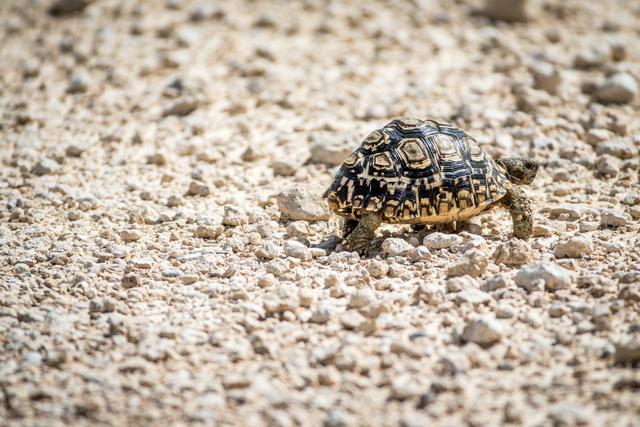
613 219
330 152
377 268
575 247
295 249
298 229
622 148
182 106
130 235
592 57
507 10
472 296
483 331
628 352
234 216
78 83
268 250
473 263
45 166
65 7
322 314
546 77
421 253
197 188
299 204
439 240
513 252
209 231
130 281
618 88
553 276
202 323
397 247
596 135
568 211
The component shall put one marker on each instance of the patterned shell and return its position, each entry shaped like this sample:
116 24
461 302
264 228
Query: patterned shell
416 172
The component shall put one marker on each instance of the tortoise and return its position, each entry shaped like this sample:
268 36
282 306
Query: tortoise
423 172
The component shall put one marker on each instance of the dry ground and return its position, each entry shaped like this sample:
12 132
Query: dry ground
149 275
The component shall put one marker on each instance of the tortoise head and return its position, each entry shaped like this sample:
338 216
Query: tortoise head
519 170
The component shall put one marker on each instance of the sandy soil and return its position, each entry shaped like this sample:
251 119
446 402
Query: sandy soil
166 259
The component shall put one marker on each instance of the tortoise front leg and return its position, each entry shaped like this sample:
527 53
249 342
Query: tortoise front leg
361 236
520 209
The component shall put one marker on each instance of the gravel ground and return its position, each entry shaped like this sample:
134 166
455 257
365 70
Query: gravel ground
166 258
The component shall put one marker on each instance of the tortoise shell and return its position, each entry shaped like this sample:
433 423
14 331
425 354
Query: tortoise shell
417 172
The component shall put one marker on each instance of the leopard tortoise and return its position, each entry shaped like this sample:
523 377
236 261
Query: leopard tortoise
422 172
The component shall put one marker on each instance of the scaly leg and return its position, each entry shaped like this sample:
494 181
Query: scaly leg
520 209
452 227
348 227
445 227
361 236
417 228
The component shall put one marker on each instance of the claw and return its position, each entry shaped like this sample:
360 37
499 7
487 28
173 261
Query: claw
359 246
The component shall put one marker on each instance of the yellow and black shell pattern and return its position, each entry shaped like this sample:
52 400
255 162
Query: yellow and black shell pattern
416 172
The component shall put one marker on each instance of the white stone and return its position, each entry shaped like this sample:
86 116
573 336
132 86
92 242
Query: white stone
234 216
575 247
377 268
45 166
421 253
622 148
484 331
473 263
553 276
613 219
505 311
513 252
592 56
299 204
618 88
472 296
361 298
439 240
295 249
130 235
332 154
456 284
628 352
470 241
397 247
268 250
597 135
567 211
322 313
209 231
299 229
546 77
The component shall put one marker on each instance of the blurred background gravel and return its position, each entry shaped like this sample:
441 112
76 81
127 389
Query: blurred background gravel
165 257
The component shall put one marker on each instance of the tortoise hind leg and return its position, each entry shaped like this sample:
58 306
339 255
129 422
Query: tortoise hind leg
348 227
360 238
520 209
445 227
417 228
